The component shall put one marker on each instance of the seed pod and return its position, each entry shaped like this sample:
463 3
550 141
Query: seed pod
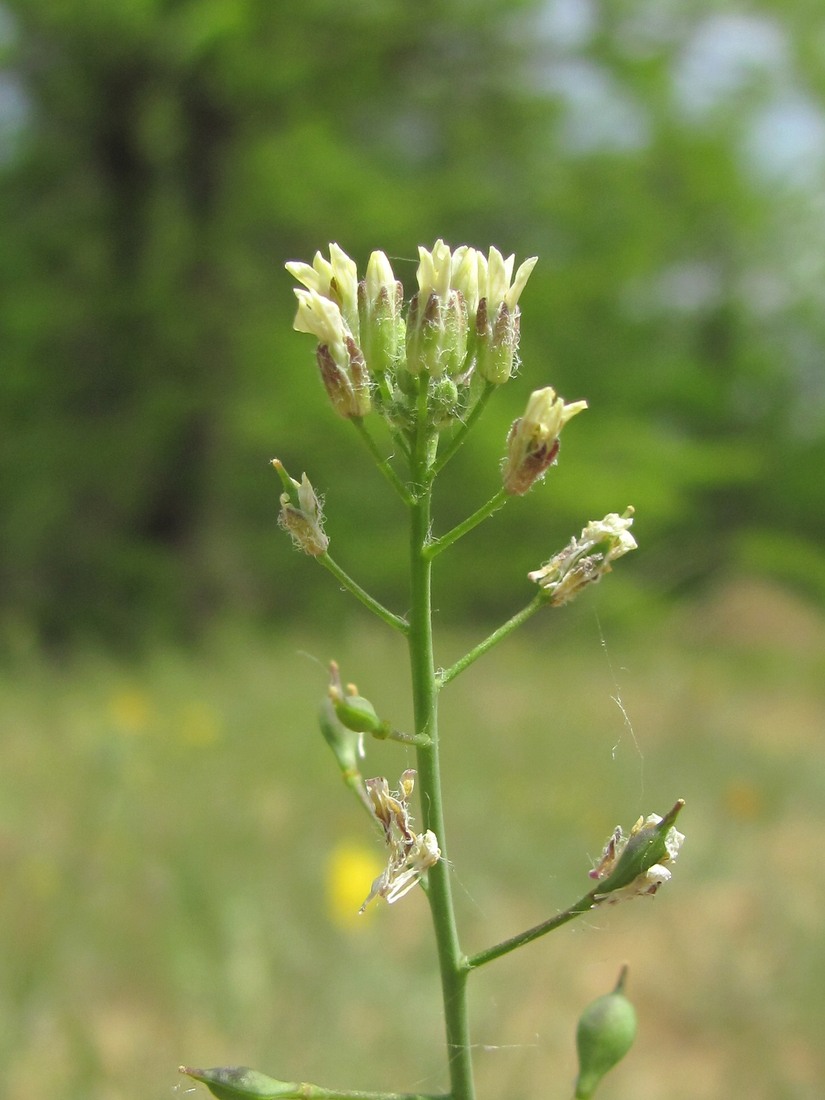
605 1034
358 714
241 1083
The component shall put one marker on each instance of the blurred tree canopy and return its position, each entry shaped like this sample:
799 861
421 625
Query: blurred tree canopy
161 159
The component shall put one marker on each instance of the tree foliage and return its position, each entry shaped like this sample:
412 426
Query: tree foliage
162 158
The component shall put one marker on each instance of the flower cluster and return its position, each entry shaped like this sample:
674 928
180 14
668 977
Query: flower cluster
410 854
461 324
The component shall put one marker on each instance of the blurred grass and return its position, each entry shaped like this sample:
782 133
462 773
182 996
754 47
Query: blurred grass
166 830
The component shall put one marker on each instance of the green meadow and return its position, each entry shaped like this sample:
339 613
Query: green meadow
181 867
176 845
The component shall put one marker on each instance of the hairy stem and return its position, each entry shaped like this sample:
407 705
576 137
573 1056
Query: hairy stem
583 905
461 434
498 635
484 512
395 621
451 961
381 462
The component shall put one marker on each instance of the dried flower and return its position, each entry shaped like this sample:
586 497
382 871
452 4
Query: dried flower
301 513
634 865
410 854
586 559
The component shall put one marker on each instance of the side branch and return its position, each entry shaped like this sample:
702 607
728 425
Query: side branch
461 529
382 463
520 617
461 434
391 619
583 905
240 1083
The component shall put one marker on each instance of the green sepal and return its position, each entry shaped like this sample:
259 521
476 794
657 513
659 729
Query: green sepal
242 1083
290 486
642 851
341 740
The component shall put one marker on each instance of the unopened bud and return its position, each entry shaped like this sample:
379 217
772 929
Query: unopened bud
339 357
604 1035
444 403
380 298
533 441
498 316
437 321
423 333
346 380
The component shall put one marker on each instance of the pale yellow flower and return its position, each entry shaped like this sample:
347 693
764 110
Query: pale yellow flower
335 279
533 440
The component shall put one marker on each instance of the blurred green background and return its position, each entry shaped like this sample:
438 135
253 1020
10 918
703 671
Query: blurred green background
167 811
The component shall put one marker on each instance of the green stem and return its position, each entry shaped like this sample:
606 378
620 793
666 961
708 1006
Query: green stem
451 961
583 905
238 1081
382 463
315 1092
478 651
461 434
404 738
493 504
395 621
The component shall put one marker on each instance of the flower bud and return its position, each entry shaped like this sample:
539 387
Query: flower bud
533 440
301 513
438 320
380 298
604 1035
423 333
498 315
444 403
347 386
340 360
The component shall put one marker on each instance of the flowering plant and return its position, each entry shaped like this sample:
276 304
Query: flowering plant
428 372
